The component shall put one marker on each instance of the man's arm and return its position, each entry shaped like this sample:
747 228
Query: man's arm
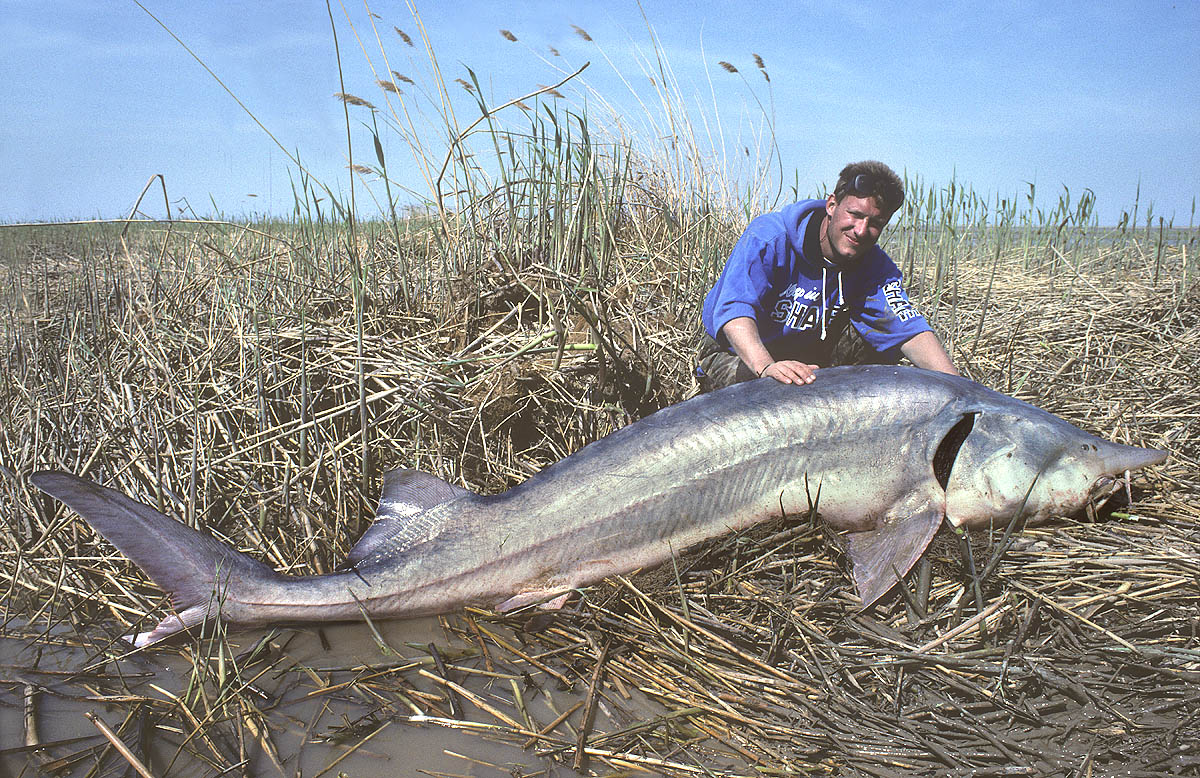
925 350
742 334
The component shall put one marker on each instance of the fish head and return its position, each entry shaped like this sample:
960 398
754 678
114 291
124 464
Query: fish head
1032 465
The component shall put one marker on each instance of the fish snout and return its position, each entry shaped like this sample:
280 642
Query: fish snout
1118 462
1118 459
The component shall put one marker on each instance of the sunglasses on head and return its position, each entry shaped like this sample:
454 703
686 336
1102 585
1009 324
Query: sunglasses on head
865 184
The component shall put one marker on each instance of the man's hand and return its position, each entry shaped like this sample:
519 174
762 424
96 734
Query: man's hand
742 334
789 371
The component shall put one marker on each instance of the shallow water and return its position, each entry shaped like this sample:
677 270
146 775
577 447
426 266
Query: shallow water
311 702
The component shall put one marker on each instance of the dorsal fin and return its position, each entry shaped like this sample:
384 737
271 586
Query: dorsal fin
407 494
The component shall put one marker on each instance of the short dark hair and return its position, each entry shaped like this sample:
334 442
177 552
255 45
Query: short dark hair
880 182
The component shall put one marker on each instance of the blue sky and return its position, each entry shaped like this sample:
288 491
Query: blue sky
97 97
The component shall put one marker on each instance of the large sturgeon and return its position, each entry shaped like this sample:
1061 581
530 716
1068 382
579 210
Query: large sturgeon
883 453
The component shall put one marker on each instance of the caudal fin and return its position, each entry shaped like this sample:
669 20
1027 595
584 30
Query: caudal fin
192 568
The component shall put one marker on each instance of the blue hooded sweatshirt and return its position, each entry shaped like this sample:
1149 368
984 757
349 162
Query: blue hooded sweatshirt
777 276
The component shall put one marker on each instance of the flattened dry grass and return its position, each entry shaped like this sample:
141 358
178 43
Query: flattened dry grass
225 375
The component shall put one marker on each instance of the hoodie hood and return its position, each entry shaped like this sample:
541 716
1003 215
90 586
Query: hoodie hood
796 220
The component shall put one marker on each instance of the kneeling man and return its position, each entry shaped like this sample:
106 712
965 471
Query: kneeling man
807 287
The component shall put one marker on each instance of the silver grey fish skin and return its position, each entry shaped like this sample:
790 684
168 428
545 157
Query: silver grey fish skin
883 453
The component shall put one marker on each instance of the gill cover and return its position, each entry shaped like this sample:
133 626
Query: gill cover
1033 466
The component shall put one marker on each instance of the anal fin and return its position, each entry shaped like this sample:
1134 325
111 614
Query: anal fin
546 599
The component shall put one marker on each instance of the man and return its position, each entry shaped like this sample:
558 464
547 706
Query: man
799 277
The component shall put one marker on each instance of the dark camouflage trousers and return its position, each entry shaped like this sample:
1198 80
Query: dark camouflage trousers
719 368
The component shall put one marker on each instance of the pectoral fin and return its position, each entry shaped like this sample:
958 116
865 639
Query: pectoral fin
881 557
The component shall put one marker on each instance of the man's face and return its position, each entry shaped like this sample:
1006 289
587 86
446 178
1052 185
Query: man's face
853 227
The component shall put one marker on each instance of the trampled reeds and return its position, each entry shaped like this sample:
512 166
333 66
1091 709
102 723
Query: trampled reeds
257 380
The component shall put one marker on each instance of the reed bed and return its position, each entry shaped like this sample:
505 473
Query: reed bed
256 380
220 380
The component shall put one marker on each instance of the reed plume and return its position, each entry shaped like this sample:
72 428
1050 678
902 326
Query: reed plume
349 99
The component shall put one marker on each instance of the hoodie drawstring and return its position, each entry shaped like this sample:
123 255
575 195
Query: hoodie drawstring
825 302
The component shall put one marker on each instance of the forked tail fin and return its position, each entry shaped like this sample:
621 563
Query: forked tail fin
192 568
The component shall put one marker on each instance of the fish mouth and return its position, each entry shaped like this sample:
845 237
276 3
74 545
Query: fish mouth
1105 489
1124 460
